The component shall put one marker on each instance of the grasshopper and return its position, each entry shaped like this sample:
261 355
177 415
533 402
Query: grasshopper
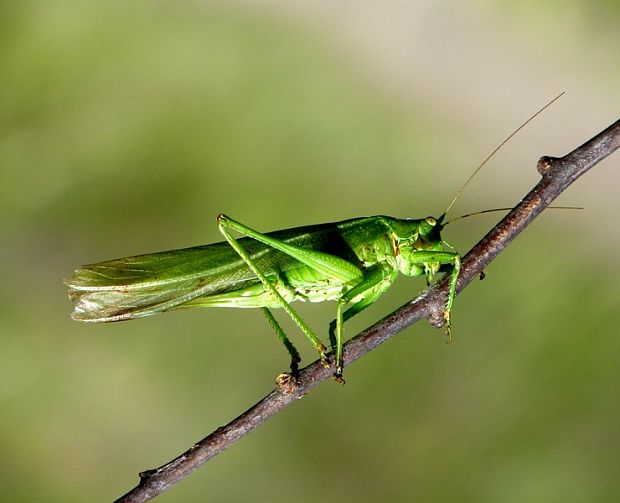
351 262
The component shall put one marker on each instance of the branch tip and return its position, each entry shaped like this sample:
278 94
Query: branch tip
545 163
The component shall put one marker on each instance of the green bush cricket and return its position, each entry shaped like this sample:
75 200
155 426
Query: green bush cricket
351 262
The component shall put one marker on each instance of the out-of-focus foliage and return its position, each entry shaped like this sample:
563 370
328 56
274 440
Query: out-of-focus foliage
126 127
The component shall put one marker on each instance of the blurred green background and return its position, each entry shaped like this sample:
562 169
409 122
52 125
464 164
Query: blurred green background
126 127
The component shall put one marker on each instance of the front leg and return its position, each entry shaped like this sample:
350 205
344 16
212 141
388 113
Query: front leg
425 258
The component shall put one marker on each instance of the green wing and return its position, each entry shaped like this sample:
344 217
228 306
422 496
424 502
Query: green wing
143 285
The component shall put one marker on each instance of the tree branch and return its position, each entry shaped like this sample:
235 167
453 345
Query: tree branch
557 175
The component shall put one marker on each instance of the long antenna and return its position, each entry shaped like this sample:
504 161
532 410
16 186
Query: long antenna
467 215
471 177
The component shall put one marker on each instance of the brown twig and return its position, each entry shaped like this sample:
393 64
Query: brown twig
557 175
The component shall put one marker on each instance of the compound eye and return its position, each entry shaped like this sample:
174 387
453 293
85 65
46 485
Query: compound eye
431 221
